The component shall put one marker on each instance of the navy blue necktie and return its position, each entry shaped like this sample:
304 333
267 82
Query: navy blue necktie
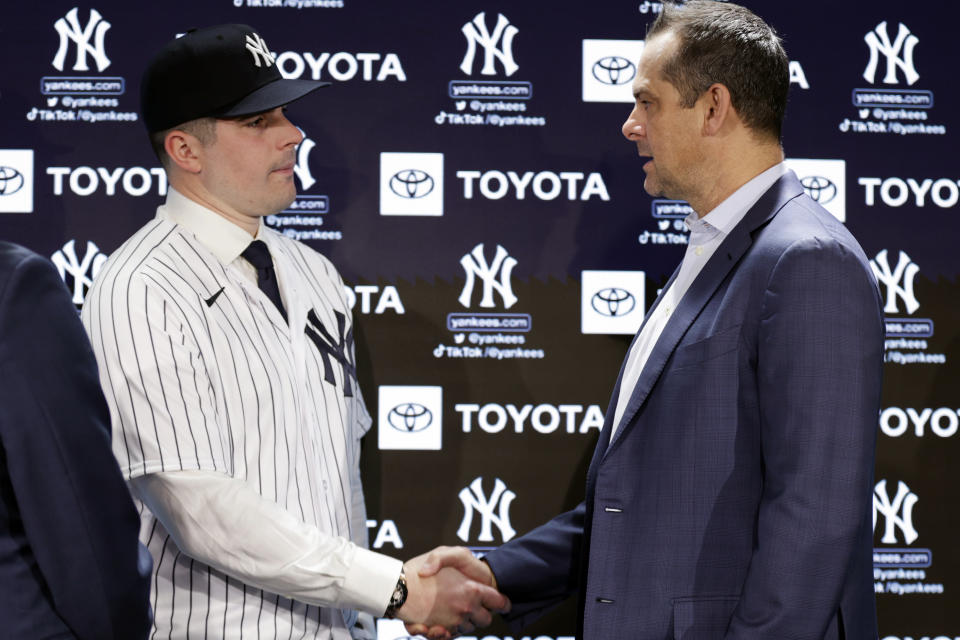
258 255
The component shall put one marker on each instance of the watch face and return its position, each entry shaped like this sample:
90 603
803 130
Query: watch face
399 593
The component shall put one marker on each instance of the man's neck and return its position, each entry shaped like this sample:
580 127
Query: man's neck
734 170
188 189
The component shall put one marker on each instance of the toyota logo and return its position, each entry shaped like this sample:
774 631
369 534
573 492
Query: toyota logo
410 417
613 302
819 188
613 70
411 183
11 181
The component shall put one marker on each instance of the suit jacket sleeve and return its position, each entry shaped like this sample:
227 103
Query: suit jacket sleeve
818 368
77 512
542 568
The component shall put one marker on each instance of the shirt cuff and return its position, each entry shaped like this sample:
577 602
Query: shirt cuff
370 581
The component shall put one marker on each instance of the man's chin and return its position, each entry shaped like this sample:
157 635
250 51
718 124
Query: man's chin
652 187
282 204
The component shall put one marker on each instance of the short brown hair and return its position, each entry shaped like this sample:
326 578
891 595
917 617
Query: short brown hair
725 43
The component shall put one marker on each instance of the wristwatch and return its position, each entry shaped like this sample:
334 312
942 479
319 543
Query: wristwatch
399 595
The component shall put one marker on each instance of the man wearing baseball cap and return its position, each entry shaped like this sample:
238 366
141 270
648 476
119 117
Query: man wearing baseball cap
226 355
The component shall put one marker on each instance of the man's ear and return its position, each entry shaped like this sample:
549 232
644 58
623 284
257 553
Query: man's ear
717 109
184 150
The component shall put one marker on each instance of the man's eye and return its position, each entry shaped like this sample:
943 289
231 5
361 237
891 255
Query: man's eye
256 122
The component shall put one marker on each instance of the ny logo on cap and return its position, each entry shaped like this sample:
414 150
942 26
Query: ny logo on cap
258 49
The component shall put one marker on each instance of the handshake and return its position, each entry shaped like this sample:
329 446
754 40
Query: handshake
449 592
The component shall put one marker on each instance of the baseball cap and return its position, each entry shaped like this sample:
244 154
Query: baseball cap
220 71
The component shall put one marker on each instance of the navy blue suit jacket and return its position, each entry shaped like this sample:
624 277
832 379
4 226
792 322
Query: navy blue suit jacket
735 498
70 562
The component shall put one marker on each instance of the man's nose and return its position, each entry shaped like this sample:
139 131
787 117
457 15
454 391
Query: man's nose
292 133
632 128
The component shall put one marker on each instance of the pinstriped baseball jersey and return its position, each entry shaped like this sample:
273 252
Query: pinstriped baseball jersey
201 372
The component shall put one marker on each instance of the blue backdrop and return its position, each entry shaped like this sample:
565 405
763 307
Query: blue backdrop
467 174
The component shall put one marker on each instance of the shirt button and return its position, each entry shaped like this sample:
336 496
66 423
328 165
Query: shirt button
698 250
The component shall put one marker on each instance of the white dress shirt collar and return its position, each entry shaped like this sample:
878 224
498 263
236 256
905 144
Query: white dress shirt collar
725 216
223 238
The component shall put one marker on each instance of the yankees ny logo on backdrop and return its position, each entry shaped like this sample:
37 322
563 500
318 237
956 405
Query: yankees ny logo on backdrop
475 265
899 281
70 31
339 348
302 168
899 54
474 499
83 271
897 514
476 33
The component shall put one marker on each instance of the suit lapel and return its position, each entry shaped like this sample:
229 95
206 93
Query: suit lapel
612 405
716 270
